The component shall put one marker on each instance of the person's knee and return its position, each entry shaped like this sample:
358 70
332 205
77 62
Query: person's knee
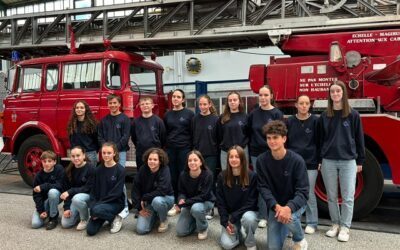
141 230
53 194
181 232
157 202
197 209
37 224
249 218
91 231
227 245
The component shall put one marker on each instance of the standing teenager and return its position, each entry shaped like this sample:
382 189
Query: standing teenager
237 201
107 197
196 197
303 139
342 152
78 184
152 193
115 127
232 126
82 130
178 123
260 116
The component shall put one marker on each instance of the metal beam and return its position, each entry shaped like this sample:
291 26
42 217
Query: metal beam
87 23
145 21
117 27
371 8
303 5
267 11
214 15
23 30
261 12
34 29
4 24
244 12
162 21
332 8
105 24
191 17
344 7
49 28
14 27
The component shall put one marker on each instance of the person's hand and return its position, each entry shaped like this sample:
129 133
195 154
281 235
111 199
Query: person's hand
67 213
319 167
37 189
181 201
230 228
64 195
284 215
43 215
359 168
144 212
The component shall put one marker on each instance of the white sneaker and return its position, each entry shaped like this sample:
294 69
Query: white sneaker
173 211
202 235
309 229
333 232
82 225
243 232
210 214
301 245
262 223
163 227
116 225
344 234
252 248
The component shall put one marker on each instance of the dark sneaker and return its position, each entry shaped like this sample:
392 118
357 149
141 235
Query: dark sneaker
52 223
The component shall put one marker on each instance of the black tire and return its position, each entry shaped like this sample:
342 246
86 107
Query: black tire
29 157
369 197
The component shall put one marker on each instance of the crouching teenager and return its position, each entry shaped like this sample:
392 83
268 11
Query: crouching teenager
107 197
195 197
78 183
283 183
48 185
237 201
152 193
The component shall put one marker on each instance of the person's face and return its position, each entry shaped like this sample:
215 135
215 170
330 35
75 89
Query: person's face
234 159
276 142
336 93
77 156
303 105
264 97
80 109
48 165
204 105
146 106
233 102
177 99
194 162
107 153
153 162
114 105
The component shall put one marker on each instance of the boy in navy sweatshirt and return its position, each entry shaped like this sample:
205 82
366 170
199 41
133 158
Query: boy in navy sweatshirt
283 184
115 127
48 184
147 131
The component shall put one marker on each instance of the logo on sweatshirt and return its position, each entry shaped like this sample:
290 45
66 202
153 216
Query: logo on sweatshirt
346 123
113 178
181 119
84 179
118 125
308 130
240 123
210 127
152 128
52 177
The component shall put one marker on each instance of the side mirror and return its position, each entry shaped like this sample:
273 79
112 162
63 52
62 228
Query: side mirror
336 57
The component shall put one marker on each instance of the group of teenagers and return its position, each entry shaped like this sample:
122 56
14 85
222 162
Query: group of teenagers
177 160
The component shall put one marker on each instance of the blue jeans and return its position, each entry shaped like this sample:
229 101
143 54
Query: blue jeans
92 156
224 156
277 232
193 218
249 222
158 208
346 171
177 162
50 206
79 210
311 208
102 212
262 205
125 212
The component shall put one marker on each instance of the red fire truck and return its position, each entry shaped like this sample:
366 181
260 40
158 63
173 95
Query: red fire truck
42 92
367 61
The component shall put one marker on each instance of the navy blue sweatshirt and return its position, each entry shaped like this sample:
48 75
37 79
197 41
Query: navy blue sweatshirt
342 138
86 141
257 119
108 185
81 182
148 185
233 132
194 190
283 182
115 129
233 202
147 133
47 181
303 139
205 137
179 128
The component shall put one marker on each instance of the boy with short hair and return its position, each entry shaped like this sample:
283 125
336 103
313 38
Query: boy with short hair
115 127
147 131
48 185
283 184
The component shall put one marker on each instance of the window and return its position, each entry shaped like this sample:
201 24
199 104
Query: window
82 75
113 76
30 78
52 78
145 79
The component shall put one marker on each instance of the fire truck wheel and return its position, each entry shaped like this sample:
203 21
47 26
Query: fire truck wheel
369 189
29 162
